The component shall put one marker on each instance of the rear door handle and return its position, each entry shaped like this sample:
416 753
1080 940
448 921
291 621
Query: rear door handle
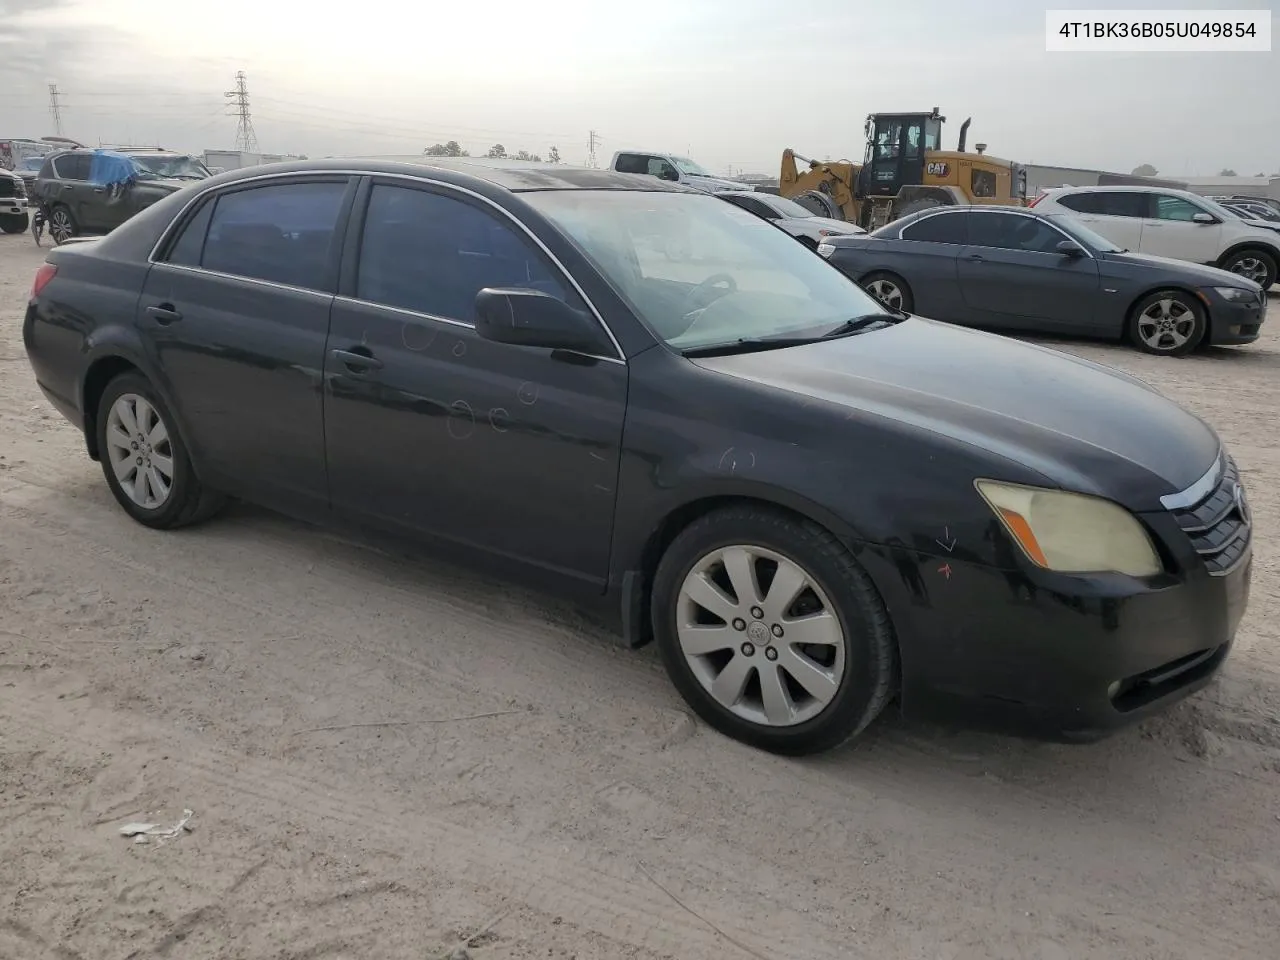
976 258
357 359
163 313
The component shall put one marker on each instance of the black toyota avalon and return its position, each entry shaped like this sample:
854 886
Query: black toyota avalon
814 504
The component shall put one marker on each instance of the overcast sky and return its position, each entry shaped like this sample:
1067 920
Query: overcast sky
731 82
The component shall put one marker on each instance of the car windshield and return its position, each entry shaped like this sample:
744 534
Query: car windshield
789 208
688 166
1093 241
162 167
700 272
31 163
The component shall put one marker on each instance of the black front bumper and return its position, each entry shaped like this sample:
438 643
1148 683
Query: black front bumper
1068 657
1231 323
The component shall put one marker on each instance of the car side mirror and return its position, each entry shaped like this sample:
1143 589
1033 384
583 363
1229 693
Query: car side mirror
531 318
1204 218
1069 248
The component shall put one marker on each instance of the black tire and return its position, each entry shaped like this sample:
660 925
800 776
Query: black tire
60 214
14 222
1182 304
188 501
881 280
821 204
870 652
1257 260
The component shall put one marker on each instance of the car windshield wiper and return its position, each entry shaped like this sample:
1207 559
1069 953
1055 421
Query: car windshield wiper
749 344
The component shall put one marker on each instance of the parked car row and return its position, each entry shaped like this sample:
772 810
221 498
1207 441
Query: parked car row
1027 269
812 501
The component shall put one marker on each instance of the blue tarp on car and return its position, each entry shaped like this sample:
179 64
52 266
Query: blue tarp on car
108 168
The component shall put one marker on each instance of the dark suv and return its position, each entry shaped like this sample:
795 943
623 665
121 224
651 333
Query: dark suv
95 190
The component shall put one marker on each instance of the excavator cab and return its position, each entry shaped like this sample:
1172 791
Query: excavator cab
896 148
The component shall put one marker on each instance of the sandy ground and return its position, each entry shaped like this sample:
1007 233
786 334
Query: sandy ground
387 757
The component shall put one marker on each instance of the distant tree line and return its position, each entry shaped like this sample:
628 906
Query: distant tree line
454 149
1147 170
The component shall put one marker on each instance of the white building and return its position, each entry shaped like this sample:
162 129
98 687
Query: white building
236 159
1231 186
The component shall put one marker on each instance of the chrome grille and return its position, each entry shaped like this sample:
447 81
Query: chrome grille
1219 524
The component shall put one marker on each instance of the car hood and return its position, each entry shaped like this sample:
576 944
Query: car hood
1206 275
712 183
166 184
1079 424
844 227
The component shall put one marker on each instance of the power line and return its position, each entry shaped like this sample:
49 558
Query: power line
55 109
246 139
592 140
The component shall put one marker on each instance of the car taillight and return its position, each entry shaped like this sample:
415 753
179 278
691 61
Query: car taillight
43 276
1038 198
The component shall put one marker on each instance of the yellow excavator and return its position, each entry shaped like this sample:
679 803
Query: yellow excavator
904 170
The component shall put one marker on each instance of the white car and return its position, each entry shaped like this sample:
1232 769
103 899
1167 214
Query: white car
673 169
1171 223
801 222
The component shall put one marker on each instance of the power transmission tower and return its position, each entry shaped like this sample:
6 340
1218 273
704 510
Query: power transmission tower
592 140
246 139
55 109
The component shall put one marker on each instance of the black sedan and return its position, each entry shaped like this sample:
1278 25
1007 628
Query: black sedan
811 502
1016 269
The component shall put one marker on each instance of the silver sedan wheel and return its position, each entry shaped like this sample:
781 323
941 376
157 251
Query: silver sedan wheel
140 450
1166 324
1250 267
761 636
887 292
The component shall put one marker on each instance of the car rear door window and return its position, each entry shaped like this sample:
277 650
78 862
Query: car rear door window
756 207
1012 231
1175 208
187 250
73 166
281 233
431 253
631 163
938 228
1110 203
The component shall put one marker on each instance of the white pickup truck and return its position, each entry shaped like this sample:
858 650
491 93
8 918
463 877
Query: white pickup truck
673 168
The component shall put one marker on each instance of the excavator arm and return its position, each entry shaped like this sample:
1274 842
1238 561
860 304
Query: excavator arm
826 188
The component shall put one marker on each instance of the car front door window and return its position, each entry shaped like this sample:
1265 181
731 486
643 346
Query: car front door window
1171 230
453 434
432 254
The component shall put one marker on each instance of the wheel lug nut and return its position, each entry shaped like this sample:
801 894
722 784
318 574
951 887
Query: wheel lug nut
776 629
757 613
739 624
139 461
770 653
748 650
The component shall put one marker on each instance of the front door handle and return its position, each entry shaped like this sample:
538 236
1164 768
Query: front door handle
976 258
163 313
357 359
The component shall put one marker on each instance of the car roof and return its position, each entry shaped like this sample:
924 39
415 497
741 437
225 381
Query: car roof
514 175
1123 188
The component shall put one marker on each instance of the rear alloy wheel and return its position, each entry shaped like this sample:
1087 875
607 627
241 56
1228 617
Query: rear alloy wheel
1255 265
1169 323
144 459
889 289
772 632
62 225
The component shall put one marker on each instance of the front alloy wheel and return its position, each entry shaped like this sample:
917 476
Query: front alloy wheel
760 635
771 630
1168 323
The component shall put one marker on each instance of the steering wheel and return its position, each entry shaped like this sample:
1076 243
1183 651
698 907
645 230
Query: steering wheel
694 299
